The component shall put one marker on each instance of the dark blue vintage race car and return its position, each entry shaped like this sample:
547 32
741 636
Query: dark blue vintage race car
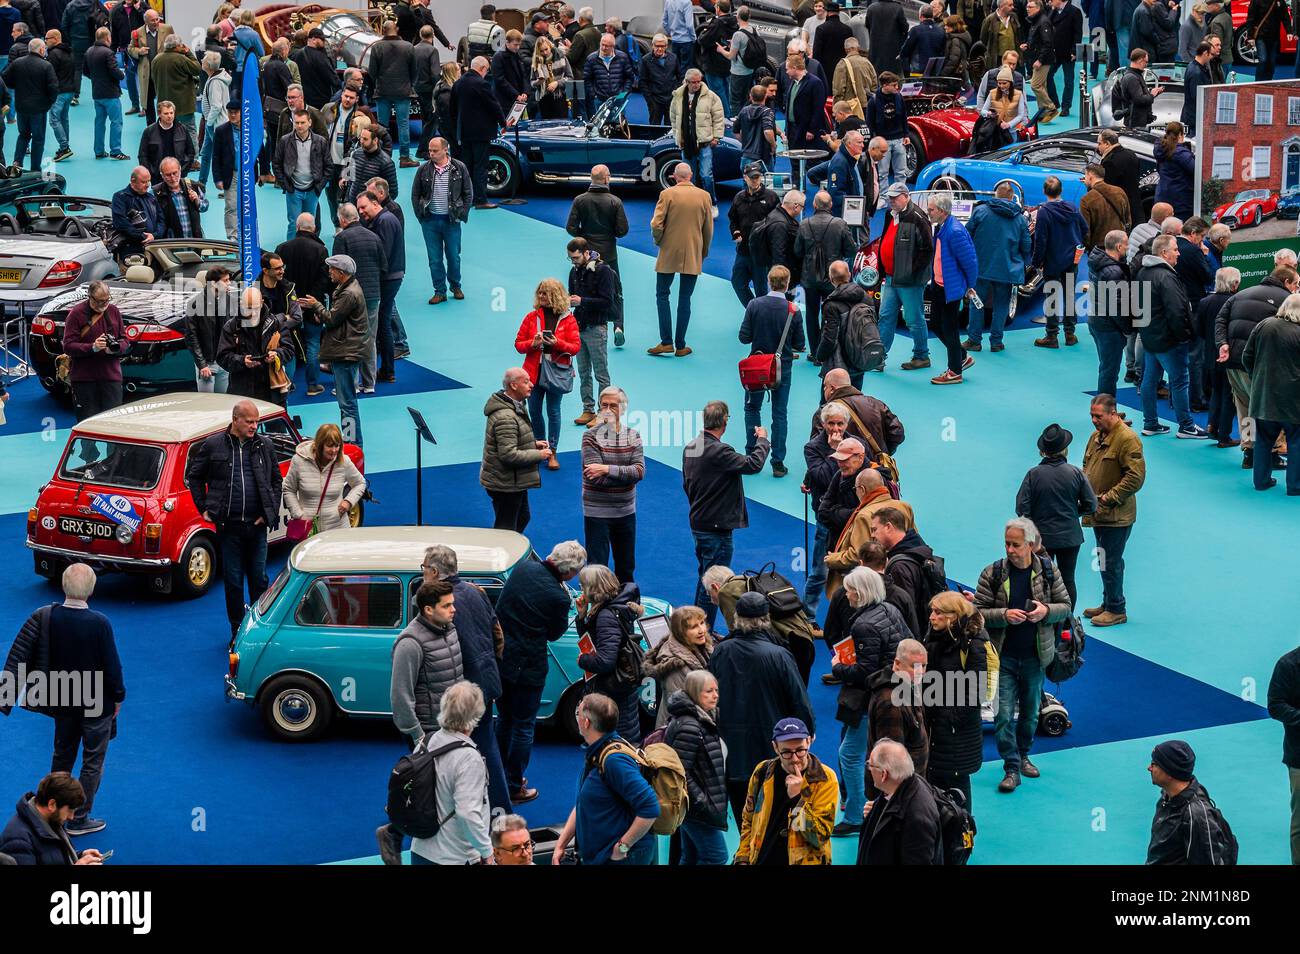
562 151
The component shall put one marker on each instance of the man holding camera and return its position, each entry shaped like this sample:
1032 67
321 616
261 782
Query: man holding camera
93 340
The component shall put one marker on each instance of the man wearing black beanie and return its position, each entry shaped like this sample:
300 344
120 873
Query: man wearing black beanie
1188 828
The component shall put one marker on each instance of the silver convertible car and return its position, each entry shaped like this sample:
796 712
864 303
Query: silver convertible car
1168 106
49 244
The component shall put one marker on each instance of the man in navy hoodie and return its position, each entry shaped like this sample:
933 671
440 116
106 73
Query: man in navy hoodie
1058 234
37 835
886 117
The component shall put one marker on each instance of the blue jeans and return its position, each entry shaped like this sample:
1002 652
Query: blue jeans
31 129
129 67
388 288
485 737
686 288
712 548
780 419
685 53
1174 362
205 156
719 85
892 166
1266 433
1020 683
997 309
1266 49
1110 352
549 429
109 111
816 583
744 275
853 769
59 118
909 300
310 332
516 721
702 169
386 107
1111 541
345 387
243 556
442 240
1069 80
702 844
295 203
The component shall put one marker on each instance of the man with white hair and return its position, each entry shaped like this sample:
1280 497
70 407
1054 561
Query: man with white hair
181 201
902 826
345 337
35 87
176 75
370 262
477 115
1162 338
1021 597
234 478
682 227
304 256
216 94
659 74
511 454
907 268
534 611
1272 359
697 117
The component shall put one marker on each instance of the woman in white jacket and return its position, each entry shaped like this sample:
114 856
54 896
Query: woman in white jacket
318 478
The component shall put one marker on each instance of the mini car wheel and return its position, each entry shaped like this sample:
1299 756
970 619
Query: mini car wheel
1053 724
664 166
197 567
1243 51
566 713
357 515
296 708
914 148
502 174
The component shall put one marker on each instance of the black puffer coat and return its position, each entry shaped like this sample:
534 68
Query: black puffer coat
693 734
877 630
1242 312
606 627
533 609
956 733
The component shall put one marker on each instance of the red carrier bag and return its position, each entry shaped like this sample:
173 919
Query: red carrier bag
762 372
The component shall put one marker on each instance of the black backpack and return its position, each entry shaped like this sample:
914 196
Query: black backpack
413 790
956 824
1221 836
860 344
1070 635
783 600
755 53
1119 100
933 578
628 667
817 262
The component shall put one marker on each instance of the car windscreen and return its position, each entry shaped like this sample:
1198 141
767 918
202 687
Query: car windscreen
112 463
266 599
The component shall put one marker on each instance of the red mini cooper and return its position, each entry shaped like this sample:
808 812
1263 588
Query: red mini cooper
118 499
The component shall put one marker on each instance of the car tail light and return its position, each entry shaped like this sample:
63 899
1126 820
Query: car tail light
62 272
32 516
152 537
234 665
42 326
145 334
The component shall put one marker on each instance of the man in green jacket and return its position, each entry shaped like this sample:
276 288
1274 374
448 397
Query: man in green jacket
1114 465
176 74
1272 359
511 454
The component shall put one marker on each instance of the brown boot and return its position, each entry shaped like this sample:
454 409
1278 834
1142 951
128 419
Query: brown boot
1047 341
586 417
1071 339
1109 619
661 349
1092 611
553 463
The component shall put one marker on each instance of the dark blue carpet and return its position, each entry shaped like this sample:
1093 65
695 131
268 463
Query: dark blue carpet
236 796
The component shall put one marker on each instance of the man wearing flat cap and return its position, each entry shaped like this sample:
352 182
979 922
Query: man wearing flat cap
345 338
749 207
1188 828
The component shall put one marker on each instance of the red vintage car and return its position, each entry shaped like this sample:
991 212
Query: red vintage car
1247 208
118 499
939 124
1243 50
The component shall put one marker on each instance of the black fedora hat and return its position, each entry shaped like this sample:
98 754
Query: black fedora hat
1054 439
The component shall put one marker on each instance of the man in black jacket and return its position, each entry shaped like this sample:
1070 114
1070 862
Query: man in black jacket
476 116
658 79
181 202
235 482
1121 166
711 477
844 294
887 26
35 87
1165 330
1067 31
304 267
510 74
1196 76
1040 55
592 288
1109 317
137 198
1187 829
774 243
1197 276
37 833
316 69
1284 706
392 64
1136 98
907 554
749 207
597 215
225 166
828 41
65 69
1155 28
441 196
366 250
301 159
771 324
902 826
166 138
106 91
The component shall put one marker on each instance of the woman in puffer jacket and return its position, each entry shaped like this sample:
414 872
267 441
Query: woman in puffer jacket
693 734
682 652
606 612
876 630
957 645
1176 166
323 479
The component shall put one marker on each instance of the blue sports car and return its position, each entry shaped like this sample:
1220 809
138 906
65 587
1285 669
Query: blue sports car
562 151
1064 155
1288 207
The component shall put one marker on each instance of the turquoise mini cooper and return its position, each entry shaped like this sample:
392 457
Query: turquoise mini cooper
319 642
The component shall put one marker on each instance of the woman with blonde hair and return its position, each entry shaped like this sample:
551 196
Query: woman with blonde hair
607 614
442 104
548 339
959 662
323 485
693 734
550 76
684 650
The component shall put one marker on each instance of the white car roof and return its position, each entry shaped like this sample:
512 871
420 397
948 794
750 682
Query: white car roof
401 549
170 418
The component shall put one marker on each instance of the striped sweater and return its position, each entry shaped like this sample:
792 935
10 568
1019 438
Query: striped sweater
614 494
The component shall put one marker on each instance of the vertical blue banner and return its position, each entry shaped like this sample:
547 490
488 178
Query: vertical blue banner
250 143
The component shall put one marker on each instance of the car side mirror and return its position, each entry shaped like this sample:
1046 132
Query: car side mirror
297 421
1014 158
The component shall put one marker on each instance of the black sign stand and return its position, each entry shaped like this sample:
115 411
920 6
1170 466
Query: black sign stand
422 434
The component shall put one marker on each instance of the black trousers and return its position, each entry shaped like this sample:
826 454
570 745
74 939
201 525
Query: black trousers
427 125
737 791
95 396
1066 559
947 320
332 195
658 110
603 534
812 315
511 510
804 652
475 156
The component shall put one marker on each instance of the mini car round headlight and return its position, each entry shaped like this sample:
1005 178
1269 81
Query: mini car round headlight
124 535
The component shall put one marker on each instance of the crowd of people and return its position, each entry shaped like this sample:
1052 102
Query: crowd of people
734 724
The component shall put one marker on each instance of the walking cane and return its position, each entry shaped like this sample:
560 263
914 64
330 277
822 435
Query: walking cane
806 555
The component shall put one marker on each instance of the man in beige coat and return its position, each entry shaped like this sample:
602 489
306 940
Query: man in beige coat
854 81
146 43
682 227
842 554
698 121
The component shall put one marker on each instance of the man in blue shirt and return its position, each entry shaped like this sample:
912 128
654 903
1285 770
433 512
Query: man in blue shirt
679 24
616 806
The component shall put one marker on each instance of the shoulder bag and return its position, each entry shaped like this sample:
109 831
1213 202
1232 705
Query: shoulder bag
300 528
762 372
553 377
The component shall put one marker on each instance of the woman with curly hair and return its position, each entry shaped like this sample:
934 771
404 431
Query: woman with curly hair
549 333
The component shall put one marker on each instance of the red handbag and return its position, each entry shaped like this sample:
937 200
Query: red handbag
300 528
762 372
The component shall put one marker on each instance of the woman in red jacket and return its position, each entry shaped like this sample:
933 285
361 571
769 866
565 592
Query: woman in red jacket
549 333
